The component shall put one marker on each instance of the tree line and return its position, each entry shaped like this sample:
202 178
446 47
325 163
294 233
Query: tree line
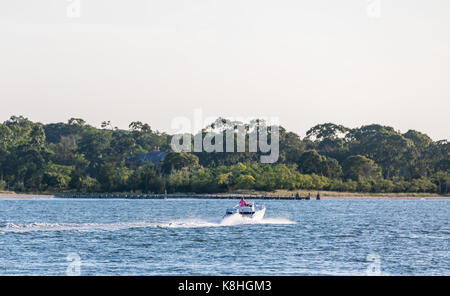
76 156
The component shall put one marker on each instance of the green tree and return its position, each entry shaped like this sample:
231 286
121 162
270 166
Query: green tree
311 162
326 131
177 161
382 144
245 182
358 166
331 168
291 147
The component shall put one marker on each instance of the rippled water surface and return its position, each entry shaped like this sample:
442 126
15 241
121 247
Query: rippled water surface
188 237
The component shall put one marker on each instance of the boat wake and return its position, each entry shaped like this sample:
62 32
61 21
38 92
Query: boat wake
233 220
78 227
238 219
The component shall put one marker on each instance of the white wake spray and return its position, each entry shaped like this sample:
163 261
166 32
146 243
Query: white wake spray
238 219
233 220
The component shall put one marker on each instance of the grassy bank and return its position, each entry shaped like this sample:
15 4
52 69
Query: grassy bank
277 193
324 193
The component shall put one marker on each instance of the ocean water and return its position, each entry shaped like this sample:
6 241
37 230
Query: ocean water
189 237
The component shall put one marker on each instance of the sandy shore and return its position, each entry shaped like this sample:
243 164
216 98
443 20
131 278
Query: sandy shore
384 197
23 196
313 197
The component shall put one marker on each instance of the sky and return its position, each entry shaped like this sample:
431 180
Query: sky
350 62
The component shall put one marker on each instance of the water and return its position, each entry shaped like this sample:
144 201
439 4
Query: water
188 237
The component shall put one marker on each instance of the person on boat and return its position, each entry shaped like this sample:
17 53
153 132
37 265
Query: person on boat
243 203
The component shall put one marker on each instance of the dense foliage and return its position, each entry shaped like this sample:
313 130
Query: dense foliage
79 157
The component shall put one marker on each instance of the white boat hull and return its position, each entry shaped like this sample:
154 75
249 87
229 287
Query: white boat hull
259 214
251 212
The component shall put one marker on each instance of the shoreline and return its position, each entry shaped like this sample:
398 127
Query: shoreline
271 196
25 196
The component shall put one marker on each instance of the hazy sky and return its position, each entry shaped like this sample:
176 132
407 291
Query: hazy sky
307 62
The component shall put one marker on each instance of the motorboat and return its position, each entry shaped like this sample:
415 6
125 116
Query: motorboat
251 210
